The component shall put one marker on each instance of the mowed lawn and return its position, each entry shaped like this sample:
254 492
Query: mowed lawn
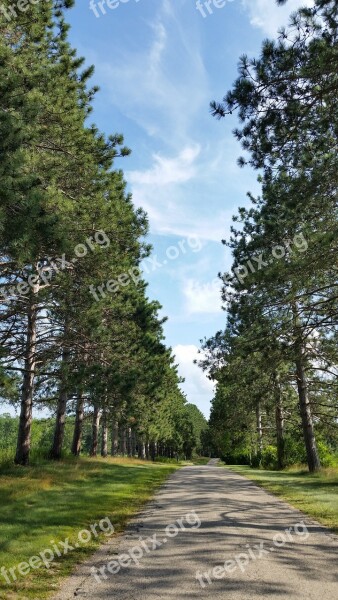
43 505
315 495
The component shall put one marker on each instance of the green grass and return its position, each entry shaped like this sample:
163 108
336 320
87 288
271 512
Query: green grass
55 501
197 460
200 460
314 494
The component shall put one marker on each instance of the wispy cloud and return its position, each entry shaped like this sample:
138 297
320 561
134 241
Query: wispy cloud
186 176
266 15
142 81
166 170
171 191
194 191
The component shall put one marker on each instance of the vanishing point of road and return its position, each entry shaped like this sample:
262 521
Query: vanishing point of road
210 533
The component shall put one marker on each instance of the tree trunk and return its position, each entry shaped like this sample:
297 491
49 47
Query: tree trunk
313 459
59 432
133 443
25 425
259 429
129 442
115 439
78 427
279 421
123 441
104 443
153 451
141 449
95 430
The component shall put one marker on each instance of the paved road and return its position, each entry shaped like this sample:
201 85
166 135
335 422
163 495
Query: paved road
271 551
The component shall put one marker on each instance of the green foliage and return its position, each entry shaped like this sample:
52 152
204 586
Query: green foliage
326 456
199 426
67 340
239 458
294 450
269 457
255 462
275 363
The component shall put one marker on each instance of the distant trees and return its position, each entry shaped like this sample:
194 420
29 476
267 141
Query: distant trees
278 354
116 439
199 430
78 334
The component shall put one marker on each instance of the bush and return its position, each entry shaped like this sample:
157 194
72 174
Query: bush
295 453
256 461
326 456
269 457
236 458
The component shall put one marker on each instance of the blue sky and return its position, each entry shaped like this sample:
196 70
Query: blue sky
158 64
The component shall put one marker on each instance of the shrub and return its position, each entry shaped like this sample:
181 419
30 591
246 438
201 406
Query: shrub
295 453
269 457
235 458
256 461
326 456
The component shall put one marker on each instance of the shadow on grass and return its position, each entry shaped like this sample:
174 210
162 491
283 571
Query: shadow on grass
314 493
53 501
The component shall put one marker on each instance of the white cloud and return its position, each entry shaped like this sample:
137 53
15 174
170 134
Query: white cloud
266 15
191 185
202 297
171 192
184 194
158 47
168 170
198 388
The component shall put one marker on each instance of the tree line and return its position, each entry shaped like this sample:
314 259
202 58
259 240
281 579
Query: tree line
67 227
276 362
114 439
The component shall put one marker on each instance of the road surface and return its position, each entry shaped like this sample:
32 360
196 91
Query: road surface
210 533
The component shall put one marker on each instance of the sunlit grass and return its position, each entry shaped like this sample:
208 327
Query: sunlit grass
314 494
54 501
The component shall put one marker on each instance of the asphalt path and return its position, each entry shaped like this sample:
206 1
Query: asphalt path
210 533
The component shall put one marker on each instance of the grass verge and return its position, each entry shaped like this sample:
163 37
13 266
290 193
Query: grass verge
201 460
44 504
314 494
